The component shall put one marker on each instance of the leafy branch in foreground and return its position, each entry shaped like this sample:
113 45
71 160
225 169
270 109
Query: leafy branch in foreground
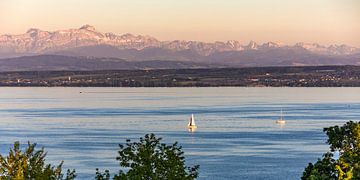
30 164
345 141
150 159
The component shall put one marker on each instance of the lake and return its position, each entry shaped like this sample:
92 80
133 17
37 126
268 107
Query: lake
237 137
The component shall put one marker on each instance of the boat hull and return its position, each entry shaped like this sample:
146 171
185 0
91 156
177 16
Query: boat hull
280 122
192 126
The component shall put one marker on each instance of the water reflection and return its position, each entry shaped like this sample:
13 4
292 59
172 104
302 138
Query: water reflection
281 126
192 129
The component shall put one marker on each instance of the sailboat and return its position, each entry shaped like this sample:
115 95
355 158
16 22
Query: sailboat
281 120
191 123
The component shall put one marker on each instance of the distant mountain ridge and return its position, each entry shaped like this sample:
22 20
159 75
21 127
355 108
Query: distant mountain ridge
70 63
86 41
36 41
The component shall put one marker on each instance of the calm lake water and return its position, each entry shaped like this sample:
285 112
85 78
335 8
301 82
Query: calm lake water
237 137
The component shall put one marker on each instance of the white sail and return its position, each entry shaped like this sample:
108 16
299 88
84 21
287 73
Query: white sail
191 123
281 120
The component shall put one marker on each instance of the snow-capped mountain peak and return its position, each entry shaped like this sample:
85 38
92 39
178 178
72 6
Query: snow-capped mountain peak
272 45
252 45
32 31
330 50
87 27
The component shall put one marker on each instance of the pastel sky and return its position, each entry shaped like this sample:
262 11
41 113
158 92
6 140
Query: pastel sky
288 21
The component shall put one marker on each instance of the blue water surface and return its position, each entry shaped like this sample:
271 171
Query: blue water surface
237 137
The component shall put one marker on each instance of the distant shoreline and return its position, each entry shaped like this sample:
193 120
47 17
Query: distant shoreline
290 76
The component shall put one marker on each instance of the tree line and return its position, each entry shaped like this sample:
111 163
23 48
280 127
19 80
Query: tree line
146 159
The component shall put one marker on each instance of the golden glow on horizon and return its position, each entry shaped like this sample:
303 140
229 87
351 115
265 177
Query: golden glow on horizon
323 21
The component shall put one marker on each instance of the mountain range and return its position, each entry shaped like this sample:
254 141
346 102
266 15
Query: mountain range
88 43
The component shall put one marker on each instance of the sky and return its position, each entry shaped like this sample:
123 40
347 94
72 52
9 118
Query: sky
287 21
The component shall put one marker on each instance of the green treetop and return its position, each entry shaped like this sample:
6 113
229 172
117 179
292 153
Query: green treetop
30 165
151 160
345 141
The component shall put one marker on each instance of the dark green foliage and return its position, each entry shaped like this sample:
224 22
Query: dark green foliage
30 164
346 141
322 169
152 160
102 176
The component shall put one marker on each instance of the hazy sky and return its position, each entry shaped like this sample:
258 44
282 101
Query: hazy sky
288 21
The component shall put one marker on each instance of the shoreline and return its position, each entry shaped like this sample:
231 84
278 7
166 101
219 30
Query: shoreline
306 76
